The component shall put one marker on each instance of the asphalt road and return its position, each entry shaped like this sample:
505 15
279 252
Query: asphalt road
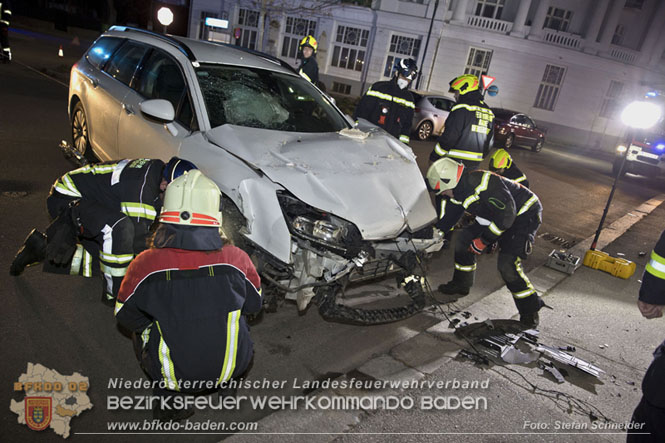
59 322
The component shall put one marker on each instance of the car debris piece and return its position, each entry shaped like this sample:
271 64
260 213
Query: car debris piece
510 354
641 253
550 368
563 357
473 356
466 314
567 348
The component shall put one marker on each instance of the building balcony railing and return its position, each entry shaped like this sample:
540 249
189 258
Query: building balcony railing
489 24
623 54
565 39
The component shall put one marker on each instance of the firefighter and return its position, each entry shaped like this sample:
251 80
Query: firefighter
5 17
309 68
649 415
103 211
502 163
507 213
185 297
389 104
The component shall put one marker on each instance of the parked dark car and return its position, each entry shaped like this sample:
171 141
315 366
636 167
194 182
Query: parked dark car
430 114
515 128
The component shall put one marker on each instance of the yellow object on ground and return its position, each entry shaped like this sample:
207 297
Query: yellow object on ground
618 267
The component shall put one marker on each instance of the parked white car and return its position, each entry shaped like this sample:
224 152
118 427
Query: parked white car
314 200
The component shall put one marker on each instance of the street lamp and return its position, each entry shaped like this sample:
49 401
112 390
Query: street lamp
165 17
639 114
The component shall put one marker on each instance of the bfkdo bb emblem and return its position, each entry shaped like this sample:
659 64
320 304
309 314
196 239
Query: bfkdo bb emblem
38 412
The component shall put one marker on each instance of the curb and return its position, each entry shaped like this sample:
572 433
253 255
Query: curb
425 352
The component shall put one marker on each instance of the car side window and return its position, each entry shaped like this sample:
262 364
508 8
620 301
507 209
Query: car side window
124 62
530 123
161 78
102 50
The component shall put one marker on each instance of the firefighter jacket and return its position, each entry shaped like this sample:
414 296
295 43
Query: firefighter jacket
5 12
514 173
387 105
188 306
309 70
496 199
128 186
652 290
469 129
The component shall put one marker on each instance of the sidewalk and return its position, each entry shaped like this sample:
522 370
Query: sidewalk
593 311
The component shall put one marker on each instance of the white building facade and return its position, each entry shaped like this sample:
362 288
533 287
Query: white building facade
570 64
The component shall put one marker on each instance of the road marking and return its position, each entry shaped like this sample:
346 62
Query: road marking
41 73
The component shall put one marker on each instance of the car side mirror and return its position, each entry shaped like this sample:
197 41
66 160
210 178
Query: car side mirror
158 109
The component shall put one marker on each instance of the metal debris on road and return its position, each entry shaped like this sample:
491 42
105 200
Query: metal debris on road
550 368
568 359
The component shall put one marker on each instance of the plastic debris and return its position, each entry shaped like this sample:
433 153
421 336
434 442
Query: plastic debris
568 359
567 348
641 253
551 369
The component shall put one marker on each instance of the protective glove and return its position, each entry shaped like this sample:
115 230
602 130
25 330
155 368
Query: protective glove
477 246
61 245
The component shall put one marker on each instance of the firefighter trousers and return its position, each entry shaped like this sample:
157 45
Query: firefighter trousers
4 41
515 245
648 422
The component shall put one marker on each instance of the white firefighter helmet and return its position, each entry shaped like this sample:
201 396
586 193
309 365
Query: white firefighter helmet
444 174
192 199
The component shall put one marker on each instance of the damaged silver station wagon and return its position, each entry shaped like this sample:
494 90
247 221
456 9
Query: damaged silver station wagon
317 202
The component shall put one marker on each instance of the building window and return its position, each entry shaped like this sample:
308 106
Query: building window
249 24
617 38
341 88
478 62
489 8
296 29
548 91
558 19
637 4
400 47
349 50
611 102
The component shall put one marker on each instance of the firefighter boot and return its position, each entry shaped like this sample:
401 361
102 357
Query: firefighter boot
459 285
532 319
33 251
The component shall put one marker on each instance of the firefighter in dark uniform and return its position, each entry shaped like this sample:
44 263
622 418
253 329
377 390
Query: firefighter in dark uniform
309 68
502 163
466 139
389 104
5 17
185 298
507 213
100 211
649 415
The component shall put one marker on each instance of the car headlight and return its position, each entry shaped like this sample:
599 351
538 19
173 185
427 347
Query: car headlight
621 149
319 227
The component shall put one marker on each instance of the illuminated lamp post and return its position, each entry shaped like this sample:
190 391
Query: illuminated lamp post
639 114
165 17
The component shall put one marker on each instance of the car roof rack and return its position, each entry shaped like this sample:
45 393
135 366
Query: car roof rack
263 55
165 38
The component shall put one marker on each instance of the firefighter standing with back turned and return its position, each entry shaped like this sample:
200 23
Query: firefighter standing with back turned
186 296
309 68
5 17
507 213
650 412
389 104
465 139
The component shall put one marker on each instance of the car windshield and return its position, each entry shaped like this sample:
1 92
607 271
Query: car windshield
259 98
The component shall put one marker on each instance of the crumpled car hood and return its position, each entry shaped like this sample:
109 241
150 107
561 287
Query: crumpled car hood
374 183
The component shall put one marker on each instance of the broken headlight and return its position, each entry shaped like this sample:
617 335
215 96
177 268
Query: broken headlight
320 228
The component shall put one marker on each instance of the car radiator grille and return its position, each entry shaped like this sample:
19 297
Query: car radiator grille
373 269
642 158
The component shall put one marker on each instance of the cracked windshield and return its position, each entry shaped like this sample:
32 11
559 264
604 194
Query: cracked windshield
263 99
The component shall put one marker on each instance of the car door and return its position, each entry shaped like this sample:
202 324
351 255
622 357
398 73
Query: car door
160 77
112 87
530 134
520 128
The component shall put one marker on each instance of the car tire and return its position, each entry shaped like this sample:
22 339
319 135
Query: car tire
616 165
424 130
538 146
510 139
80 133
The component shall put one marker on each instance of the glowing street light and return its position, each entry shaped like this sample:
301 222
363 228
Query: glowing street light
165 17
639 114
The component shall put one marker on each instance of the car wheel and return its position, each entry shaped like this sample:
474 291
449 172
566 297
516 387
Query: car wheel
425 130
616 166
509 141
538 146
80 134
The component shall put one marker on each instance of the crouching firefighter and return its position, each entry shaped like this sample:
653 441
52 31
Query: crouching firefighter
507 213
101 218
502 163
185 297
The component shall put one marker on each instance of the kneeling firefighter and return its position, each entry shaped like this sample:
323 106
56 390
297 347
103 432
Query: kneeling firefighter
101 215
185 296
507 213
502 163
